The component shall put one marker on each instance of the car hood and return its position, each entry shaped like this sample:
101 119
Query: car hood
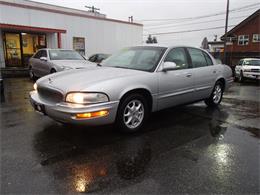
80 80
73 63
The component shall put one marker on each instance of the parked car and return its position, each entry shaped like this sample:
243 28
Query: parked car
47 61
97 58
131 84
247 68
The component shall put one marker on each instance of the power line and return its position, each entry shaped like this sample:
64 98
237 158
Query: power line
184 21
187 31
208 21
202 16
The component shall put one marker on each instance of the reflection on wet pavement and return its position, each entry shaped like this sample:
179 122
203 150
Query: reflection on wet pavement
186 149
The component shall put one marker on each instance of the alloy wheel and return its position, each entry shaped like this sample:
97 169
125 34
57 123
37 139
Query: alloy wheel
133 114
217 94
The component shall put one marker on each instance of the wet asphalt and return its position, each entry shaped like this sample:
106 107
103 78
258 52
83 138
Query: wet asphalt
186 149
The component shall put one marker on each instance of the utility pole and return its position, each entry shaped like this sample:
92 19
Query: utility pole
226 28
92 9
131 19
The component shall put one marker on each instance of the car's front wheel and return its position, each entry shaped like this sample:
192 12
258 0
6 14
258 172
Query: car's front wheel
241 77
216 95
31 74
132 113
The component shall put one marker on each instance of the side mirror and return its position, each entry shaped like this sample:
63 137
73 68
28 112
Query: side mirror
43 59
169 66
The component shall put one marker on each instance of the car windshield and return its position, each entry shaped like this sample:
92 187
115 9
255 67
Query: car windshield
137 58
252 62
64 55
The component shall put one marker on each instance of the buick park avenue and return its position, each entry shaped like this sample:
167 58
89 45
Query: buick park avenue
126 87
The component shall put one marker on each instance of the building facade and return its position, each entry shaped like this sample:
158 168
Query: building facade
243 41
26 26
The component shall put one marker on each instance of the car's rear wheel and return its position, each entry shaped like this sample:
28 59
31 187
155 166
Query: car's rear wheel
132 113
216 95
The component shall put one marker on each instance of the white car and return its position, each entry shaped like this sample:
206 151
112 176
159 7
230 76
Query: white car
47 61
248 68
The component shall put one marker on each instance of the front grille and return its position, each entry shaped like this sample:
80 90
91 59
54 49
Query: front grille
49 94
255 70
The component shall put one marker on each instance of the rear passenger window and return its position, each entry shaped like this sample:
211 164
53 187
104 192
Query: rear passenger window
197 57
208 59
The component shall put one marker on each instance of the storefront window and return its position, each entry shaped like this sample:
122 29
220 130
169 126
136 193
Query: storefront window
19 47
13 49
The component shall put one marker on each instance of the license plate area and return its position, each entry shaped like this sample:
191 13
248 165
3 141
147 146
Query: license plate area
39 108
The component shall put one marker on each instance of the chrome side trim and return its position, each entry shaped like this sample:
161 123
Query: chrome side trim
175 93
203 88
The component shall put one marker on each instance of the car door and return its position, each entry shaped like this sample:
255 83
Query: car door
176 86
34 63
204 72
43 64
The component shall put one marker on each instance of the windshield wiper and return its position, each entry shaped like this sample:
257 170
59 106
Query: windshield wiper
99 64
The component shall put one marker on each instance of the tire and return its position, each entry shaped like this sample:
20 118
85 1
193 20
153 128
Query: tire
128 108
31 74
53 71
216 95
241 77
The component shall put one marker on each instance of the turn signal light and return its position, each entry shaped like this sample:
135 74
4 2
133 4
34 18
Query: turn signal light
92 114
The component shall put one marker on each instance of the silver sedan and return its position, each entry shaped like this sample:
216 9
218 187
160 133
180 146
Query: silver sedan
131 84
47 61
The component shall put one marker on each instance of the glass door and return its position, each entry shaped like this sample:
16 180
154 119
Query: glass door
31 43
13 50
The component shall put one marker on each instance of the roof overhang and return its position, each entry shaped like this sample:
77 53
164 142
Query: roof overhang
30 28
245 21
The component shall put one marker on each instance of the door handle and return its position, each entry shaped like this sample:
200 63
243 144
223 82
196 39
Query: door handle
188 75
214 71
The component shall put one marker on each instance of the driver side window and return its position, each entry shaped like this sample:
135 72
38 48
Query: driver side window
178 56
38 54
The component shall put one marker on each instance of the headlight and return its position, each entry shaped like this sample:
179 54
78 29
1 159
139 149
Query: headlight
35 86
86 98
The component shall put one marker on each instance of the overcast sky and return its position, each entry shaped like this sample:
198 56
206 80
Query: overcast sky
170 9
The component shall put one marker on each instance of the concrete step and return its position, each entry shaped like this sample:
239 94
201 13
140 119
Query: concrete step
14 72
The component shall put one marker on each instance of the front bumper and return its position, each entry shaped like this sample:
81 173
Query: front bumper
252 75
64 112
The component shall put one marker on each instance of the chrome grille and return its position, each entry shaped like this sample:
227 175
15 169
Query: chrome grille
49 94
255 70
